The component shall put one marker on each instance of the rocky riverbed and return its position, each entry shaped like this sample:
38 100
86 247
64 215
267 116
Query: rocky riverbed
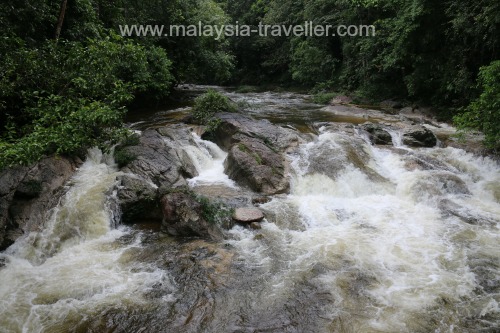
290 217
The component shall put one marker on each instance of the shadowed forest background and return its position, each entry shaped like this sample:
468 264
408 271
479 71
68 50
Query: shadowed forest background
67 77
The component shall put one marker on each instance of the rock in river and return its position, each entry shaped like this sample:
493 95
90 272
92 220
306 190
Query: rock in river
183 216
377 134
248 215
256 152
28 193
419 136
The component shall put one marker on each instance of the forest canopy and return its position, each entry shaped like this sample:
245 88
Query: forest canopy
67 76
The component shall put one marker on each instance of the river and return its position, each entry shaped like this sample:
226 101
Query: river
369 239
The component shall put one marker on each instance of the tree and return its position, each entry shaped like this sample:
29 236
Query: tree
60 21
484 113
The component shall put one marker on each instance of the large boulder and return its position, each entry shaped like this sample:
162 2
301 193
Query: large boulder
183 216
419 136
279 138
155 160
137 200
251 163
256 152
27 194
377 134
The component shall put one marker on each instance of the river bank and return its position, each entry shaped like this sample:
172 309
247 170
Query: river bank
373 223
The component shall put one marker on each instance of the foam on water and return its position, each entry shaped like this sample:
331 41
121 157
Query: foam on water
74 268
392 258
208 160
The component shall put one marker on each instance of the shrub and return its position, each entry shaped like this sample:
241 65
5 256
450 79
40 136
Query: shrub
208 104
323 98
215 212
123 157
483 114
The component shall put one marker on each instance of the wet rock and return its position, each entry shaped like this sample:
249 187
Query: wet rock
377 134
248 215
419 136
179 133
261 200
333 153
183 216
157 157
466 215
28 193
137 200
278 138
259 237
229 196
253 164
417 113
256 152
436 184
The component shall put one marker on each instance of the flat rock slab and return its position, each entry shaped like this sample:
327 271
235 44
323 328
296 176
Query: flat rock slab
248 215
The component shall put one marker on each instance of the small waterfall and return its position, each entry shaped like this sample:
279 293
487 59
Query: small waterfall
75 268
397 138
208 160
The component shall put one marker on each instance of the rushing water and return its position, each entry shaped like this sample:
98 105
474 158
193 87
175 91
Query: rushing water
370 239
75 268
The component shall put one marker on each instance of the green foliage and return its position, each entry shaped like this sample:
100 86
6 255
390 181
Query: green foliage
409 57
208 104
310 63
63 126
62 98
123 157
484 113
215 212
130 139
324 97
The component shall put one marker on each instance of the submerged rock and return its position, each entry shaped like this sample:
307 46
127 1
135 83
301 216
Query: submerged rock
377 134
255 226
419 136
248 215
450 208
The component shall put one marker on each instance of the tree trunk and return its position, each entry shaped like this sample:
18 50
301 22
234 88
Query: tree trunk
61 18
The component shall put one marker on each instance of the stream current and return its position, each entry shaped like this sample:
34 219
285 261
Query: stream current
370 239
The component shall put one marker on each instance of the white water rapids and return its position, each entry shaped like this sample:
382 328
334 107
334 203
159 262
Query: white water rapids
370 239
384 249
73 269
